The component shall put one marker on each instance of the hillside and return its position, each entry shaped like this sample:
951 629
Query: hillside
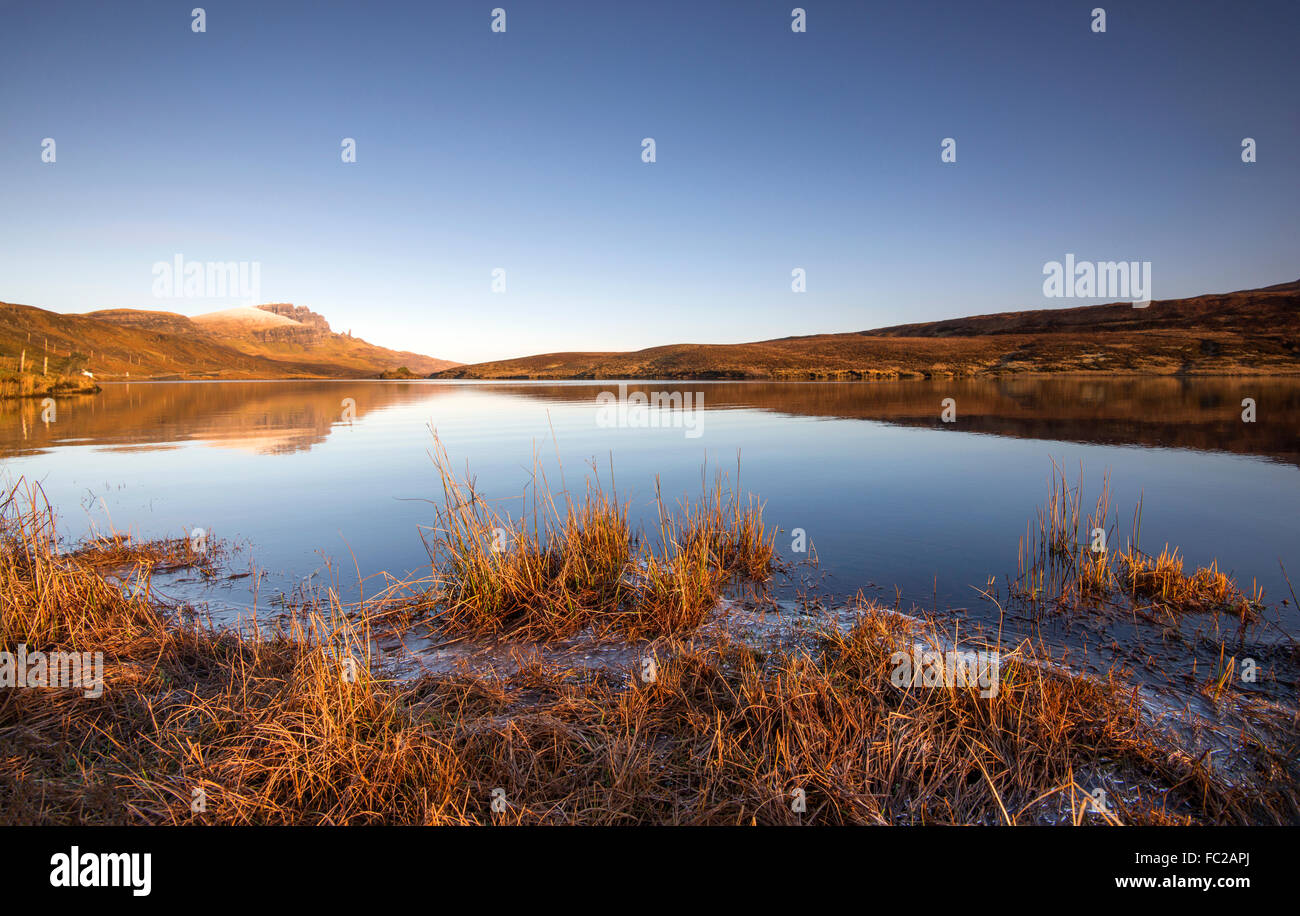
285 332
277 341
1246 332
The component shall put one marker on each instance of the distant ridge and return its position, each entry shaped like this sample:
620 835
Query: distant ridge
1249 332
1207 312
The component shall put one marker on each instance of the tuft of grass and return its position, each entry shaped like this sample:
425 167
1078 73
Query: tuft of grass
719 528
117 551
546 580
570 563
1061 566
1094 576
1161 580
1058 522
49 600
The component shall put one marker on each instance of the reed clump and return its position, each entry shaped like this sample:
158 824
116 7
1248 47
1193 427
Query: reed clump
1073 567
118 551
1058 521
1161 580
719 527
546 580
49 600
572 564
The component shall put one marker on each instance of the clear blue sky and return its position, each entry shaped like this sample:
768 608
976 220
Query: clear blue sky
522 151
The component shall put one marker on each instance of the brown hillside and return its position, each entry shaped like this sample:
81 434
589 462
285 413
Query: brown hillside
161 322
1252 332
138 343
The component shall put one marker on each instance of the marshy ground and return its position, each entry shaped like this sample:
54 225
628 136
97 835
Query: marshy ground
561 667
34 385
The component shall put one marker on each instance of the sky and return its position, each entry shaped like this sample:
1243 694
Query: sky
521 151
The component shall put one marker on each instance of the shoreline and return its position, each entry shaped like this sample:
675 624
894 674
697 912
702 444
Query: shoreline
793 379
871 716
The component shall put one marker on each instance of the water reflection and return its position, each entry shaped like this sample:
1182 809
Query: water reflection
289 416
888 494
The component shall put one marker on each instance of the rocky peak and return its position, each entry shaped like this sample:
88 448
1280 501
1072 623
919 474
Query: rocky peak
299 313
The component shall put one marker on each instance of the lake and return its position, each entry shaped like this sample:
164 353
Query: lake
298 477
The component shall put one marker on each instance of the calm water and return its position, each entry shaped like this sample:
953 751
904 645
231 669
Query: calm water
889 495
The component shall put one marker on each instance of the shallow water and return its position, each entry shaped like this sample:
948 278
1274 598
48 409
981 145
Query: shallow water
888 494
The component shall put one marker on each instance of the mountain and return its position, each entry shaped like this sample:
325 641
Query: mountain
1250 332
285 332
271 341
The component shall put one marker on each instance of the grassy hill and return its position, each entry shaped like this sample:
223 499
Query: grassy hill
137 343
1247 332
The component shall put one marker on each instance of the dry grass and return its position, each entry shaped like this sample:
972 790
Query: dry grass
293 725
1073 568
569 564
1161 580
123 552
31 385
52 601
